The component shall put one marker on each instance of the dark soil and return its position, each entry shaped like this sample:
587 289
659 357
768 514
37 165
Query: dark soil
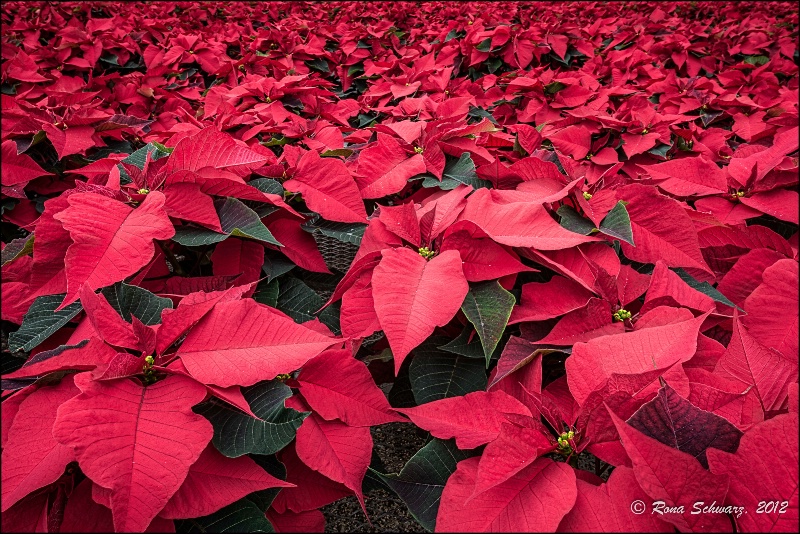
394 443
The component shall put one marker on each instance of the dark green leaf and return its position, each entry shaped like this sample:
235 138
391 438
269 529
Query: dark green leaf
236 433
488 307
277 140
318 64
10 363
455 34
363 120
111 59
401 395
709 116
493 63
235 218
133 300
704 288
344 232
41 321
436 374
618 224
465 344
756 60
355 70
457 172
301 303
485 45
242 516
7 204
267 185
267 293
276 265
572 221
554 87
270 463
17 248
421 481
140 156
477 114
337 152
660 150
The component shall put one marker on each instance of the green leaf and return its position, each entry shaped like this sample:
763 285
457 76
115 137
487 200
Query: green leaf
267 293
270 463
318 64
276 265
705 288
355 70
485 45
297 300
756 60
10 363
463 346
572 221
267 185
618 224
493 63
277 140
363 119
8 89
135 301
455 34
554 87
457 172
488 307
111 59
300 302
709 116
193 236
344 232
401 395
421 481
140 156
477 114
660 150
17 248
623 46
7 204
337 152
242 516
41 321
436 374
235 218
236 433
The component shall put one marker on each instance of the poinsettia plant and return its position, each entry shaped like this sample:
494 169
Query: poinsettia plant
562 243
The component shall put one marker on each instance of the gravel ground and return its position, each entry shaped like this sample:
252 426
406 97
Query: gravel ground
395 443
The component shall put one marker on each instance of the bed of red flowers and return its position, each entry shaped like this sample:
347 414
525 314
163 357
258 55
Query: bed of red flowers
552 232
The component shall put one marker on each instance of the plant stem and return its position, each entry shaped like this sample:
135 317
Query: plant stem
171 258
